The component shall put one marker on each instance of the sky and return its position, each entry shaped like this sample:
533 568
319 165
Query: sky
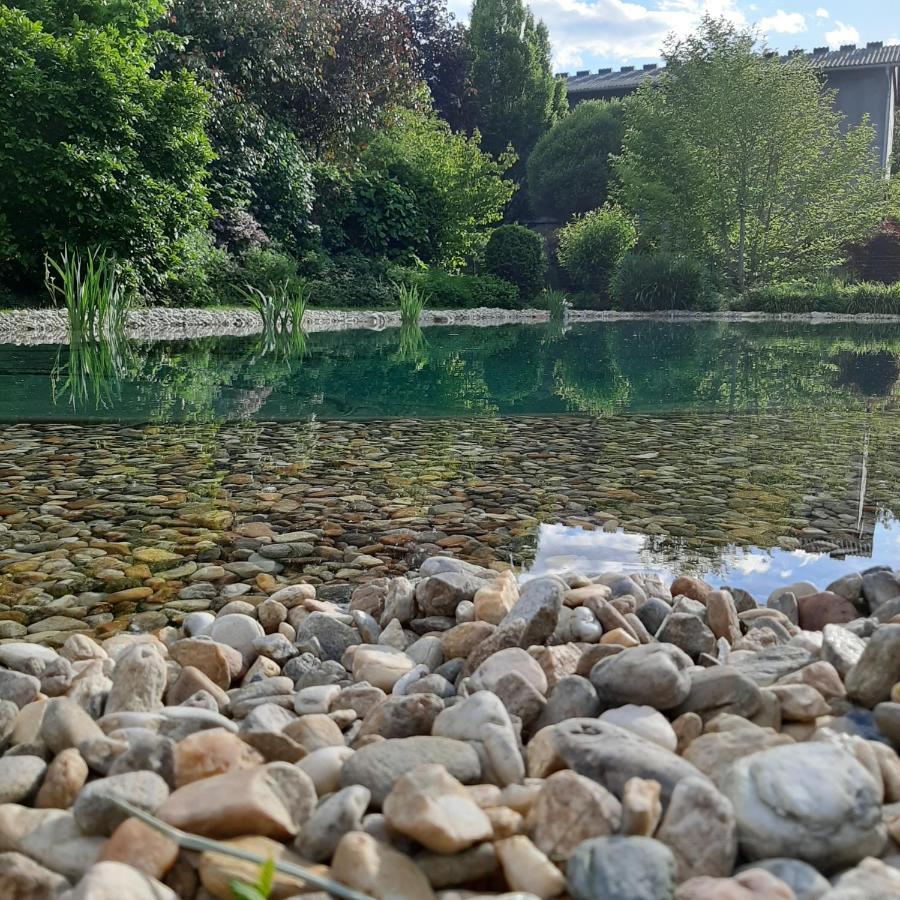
590 34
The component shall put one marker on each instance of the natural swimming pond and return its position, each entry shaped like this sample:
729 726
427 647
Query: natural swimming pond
757 453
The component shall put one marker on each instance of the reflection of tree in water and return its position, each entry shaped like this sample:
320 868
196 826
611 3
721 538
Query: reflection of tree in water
874 374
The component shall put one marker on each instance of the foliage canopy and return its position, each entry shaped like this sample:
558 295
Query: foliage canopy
738 159
569 170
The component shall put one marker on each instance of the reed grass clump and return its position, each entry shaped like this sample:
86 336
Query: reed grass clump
412 301
89 287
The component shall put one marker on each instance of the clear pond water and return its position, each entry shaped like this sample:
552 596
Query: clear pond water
752 453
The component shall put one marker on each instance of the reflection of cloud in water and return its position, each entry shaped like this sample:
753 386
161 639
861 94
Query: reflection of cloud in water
566 548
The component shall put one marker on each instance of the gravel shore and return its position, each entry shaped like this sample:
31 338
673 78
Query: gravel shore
453 733
45 326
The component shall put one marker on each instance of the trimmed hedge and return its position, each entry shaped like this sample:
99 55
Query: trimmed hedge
516 254
446 291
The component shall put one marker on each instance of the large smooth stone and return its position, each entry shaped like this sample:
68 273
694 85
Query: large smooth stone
20 777
606 754
430 806
878 669
483 722
539 604
378 766
272 801
139 680
699 828
373 868
115 881
811 801
96 810
621 868
651 675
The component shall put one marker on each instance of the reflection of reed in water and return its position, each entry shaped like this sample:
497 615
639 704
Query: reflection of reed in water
92 371
411 346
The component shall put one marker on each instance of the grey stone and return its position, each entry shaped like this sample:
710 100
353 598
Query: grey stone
887 716
96 810
405 716
767 666
440 594
879 587
139 681
650 675
470 865
699 828
538 606
65 724
722 689
811 801
841 647
20 777
333 635
147 752
878 669
482 721
18 688
621 868
399 602
786 603
573 697
653 613
377 766
607 754
333 818
805 881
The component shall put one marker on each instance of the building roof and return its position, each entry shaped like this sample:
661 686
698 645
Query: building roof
628 78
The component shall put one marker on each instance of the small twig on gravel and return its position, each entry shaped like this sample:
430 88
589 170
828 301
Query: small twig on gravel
195 842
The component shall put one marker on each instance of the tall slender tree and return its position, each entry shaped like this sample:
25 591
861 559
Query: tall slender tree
742 160
516 98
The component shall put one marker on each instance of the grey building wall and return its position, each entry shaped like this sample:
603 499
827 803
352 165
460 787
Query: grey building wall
869 91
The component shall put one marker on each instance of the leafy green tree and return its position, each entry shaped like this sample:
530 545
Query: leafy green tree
96 149
739 159
325 68
569 170
516 96
443 59
421 188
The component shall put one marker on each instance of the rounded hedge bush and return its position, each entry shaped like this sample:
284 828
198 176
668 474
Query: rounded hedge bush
592 245
651 281
569 169
516 254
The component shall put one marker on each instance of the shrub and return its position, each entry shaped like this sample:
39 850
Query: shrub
419 189
651 281
569 170
591 246
446 291
202 275
97 149
829 295
516 254
353 282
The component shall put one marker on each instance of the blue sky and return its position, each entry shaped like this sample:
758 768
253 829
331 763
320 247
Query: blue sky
588 34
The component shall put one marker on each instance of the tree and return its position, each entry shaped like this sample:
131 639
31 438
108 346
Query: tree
569 170
516 97
421 188
325 68
739 160
95 148
443 59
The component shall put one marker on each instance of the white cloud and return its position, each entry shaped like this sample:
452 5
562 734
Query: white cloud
822 13
842 34
622 30
783 23
891 41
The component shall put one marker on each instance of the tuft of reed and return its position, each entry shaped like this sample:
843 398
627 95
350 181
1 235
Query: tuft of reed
90 289
556 303
282 307
412 301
